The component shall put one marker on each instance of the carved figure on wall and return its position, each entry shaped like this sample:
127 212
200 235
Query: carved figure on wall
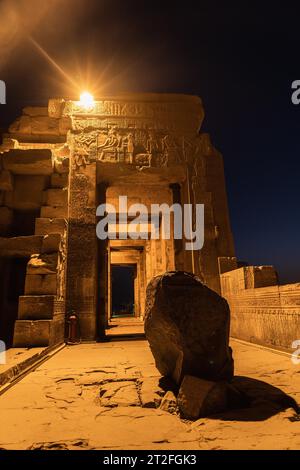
110 145
61 269
130 146
170 151
81 157
152 144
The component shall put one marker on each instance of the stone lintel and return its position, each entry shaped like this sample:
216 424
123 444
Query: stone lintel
38 332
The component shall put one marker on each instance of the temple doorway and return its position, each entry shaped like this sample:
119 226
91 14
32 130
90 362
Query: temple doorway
123 295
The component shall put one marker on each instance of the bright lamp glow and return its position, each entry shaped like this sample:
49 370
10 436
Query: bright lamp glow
87 100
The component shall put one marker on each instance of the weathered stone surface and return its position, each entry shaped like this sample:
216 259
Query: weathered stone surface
44 125
36 284
27 193
50 212
56 197
55 107
187 326
262 312
45 226
59 180
32 333
28 162
36 307
119 393
62 165
38 332
35 111
21 246
6 181
21 125
51 243
151 392
65 124
169 403
198 398
42 264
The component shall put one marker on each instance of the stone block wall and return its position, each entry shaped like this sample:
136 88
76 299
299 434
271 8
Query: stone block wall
262 311
33 228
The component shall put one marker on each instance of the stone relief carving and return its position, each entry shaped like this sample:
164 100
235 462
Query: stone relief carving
135 146
61 268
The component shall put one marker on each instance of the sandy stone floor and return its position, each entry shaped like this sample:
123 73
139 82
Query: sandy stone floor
89 397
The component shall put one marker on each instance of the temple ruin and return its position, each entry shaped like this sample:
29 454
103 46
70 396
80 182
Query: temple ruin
58 163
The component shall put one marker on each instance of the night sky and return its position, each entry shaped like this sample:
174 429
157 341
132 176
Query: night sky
241 58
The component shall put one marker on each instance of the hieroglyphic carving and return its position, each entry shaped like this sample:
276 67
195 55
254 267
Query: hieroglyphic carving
85 148
110 143
61 268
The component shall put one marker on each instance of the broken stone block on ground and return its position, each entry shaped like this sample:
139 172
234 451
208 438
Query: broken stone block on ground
169 403
187 326
199 398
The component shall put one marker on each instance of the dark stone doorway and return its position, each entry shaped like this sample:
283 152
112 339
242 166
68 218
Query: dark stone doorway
122 277
13 272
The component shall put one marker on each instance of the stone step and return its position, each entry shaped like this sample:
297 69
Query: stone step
36 307
36 284
38 333
31 333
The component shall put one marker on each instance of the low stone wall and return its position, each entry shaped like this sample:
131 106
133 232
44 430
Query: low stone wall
262 311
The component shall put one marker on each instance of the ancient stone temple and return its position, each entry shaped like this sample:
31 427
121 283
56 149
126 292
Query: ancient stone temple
58 164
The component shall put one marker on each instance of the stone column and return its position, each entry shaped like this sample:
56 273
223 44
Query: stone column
102 273
82 248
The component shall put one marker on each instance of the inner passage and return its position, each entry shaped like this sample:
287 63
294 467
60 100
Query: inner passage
123 290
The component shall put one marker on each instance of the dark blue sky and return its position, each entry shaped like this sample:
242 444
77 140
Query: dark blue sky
241 58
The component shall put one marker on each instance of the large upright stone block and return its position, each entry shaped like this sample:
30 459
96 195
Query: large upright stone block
36 307
187 326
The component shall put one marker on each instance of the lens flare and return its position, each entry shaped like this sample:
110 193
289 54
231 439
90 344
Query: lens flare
86 100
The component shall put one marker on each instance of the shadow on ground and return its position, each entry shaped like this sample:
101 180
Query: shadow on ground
255 400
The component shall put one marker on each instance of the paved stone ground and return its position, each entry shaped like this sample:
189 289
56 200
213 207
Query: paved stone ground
90 397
